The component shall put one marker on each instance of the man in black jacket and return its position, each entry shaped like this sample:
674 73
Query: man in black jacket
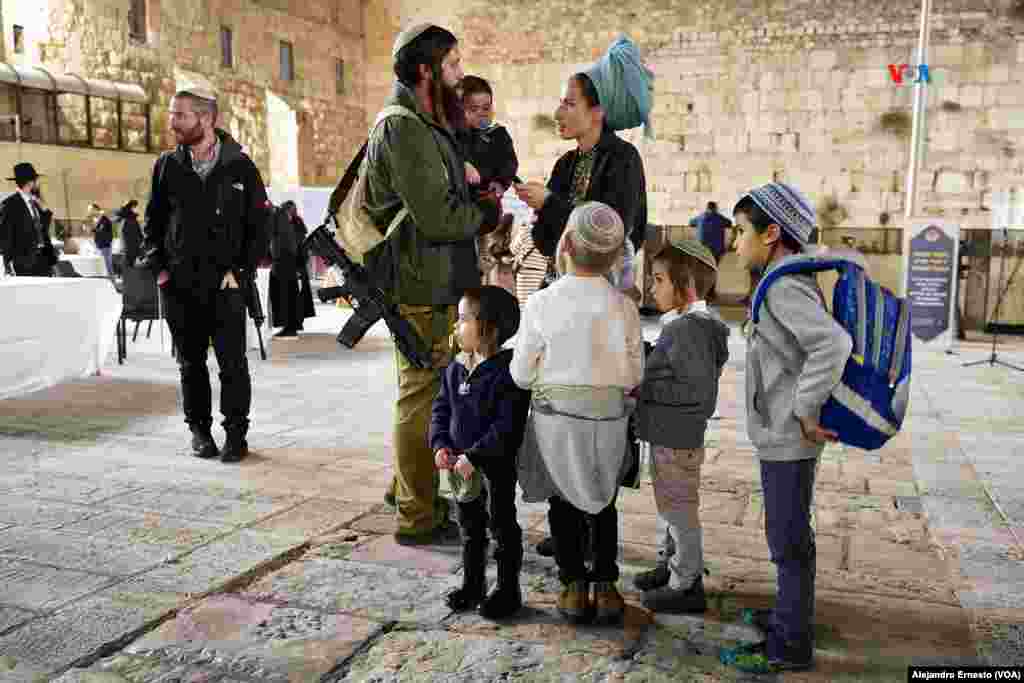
25 227
205 231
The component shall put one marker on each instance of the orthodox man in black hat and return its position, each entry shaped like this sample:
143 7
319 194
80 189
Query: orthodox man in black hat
205 231
25 227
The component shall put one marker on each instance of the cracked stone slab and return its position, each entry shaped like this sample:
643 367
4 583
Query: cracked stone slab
228 635
313 517
41 514
983 593
54 641
444 656
38 587
68 488
365 590
173 533
12 616
214 503
433 559
540 621
212 565
71 551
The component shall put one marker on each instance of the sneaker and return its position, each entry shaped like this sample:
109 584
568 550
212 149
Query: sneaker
760 619
653 578
287 334
608 604
670 600
753 658
574 603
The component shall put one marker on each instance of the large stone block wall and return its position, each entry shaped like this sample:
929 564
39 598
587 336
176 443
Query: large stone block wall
90 38
747 92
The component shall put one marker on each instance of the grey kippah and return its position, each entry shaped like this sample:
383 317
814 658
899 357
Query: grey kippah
787 207
409 35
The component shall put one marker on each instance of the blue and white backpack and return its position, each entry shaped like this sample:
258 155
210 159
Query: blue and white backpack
867 407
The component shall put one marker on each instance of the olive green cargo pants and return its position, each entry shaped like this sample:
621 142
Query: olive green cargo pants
415 485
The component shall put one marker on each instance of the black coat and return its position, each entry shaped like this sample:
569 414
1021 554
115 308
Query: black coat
198 229
488 420
20 234
616 180
131 235
492 154
104 235
291 300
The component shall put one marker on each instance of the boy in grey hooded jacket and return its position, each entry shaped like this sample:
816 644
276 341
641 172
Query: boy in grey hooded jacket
795 358
677 396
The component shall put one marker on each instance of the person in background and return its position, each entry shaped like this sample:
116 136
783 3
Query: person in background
103 236
711 227
131 232
291 301
25 227
205 232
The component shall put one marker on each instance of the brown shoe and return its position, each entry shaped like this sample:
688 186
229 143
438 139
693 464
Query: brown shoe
608 604
574 603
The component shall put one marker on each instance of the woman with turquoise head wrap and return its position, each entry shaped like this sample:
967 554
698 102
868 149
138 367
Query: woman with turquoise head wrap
614 94
625 87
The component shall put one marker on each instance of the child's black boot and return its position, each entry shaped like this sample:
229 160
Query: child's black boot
507 598
474 581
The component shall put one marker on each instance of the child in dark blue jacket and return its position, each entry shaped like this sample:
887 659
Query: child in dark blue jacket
476 428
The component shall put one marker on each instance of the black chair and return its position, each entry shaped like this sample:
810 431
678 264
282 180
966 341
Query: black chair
65 269
141 298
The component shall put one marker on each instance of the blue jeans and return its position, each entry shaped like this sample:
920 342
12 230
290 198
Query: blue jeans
788 496
108 259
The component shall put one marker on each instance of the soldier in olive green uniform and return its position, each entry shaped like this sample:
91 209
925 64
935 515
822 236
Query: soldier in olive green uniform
413 162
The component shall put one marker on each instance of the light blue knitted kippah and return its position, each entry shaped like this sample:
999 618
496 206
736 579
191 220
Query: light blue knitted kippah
787 207
625 86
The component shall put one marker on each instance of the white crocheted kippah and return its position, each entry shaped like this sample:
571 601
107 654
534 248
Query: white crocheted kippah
597 227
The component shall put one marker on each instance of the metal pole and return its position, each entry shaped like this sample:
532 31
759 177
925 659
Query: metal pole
920 107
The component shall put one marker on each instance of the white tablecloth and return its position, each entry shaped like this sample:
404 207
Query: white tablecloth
54 329
86 266
263 287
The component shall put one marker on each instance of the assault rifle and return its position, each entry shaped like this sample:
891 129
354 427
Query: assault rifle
255 307
369 303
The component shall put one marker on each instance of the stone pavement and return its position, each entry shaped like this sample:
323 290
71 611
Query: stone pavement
123 559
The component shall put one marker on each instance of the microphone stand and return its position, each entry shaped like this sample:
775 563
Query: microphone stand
993 358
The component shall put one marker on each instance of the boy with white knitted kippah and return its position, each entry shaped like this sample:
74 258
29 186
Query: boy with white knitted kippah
580 350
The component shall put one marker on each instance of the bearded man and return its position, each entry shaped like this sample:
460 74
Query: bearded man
205 231
413 164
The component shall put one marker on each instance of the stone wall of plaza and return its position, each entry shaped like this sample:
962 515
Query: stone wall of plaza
750 91
270 116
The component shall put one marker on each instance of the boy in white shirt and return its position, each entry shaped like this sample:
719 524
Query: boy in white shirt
580 350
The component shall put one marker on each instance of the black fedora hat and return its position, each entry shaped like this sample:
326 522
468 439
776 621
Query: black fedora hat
24 172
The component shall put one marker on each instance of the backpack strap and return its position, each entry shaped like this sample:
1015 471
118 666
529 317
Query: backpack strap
860 339
347 181
796 267
900 353
352 172
879 326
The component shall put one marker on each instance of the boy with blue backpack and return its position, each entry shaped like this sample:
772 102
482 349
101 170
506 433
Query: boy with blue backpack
795 358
